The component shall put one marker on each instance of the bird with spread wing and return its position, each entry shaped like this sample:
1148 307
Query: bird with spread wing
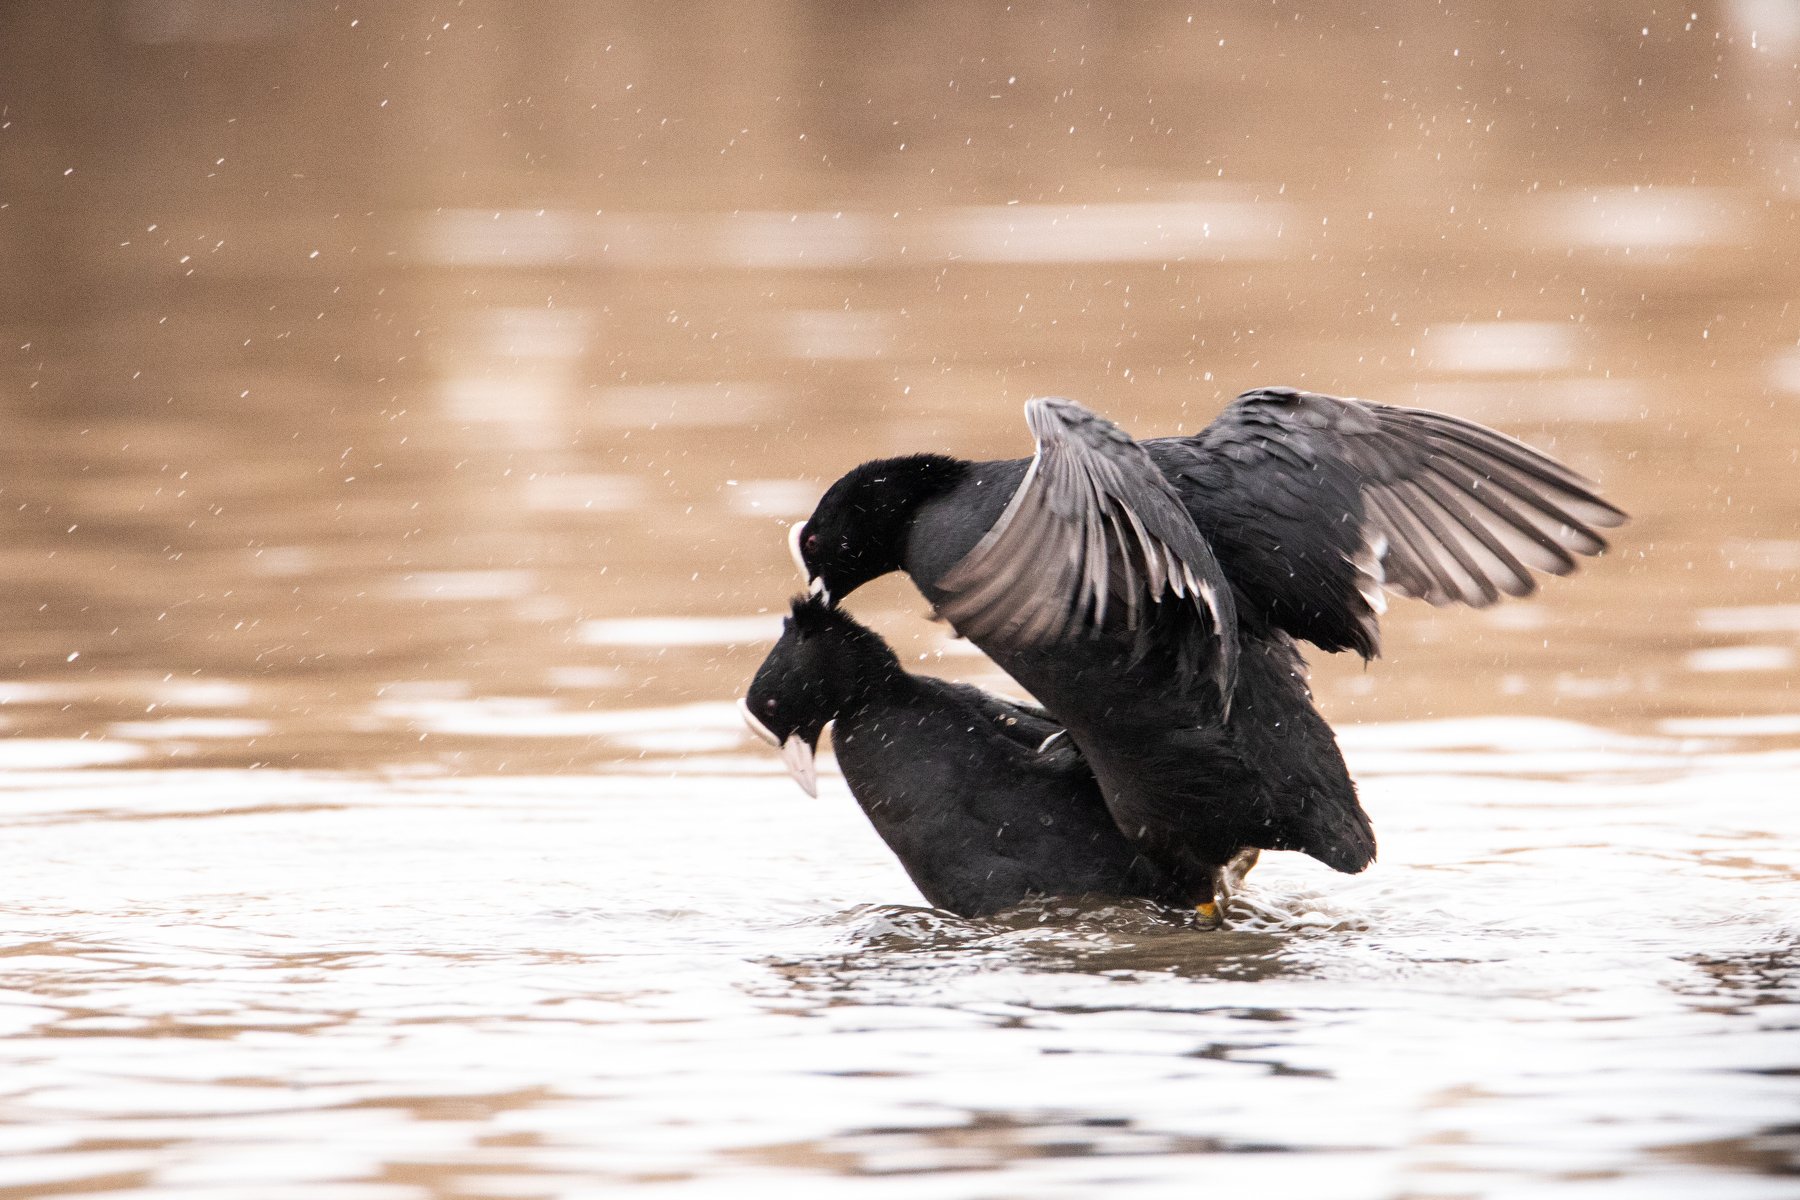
1151 594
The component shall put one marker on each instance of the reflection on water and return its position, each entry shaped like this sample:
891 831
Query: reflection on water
404 408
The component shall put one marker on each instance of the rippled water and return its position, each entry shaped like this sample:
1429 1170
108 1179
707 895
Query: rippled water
403 410
1571 974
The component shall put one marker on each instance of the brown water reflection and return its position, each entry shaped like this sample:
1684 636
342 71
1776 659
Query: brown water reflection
364 352
419 391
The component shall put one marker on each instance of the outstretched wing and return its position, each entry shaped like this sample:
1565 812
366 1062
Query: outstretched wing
1315 503
1093 534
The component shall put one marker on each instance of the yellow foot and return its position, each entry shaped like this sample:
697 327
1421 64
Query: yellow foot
1225 880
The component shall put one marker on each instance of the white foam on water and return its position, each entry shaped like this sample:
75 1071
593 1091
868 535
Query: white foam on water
462 585
201 693
586 677
1643 218
796 240
1750 618
1226 225
792 498
678 741
584 493
538 717
1772 725
15 691
1492 733
683 405
37 754
1740 658
177 728
1499 347
1203 230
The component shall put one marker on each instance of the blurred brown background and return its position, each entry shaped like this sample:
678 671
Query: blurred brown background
371 373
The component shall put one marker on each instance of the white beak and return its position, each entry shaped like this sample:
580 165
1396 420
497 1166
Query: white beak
757 727
799 759
794 532
814 585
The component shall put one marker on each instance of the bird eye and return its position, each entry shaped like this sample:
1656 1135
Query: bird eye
769 706
812 543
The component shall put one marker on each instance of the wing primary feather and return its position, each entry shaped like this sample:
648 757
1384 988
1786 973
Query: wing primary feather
1526 541
1565 530
1417 576
1505 570
1099 563
1477 447
1129 583
1436 506
1491 443
1529 478
1485 495
1455 565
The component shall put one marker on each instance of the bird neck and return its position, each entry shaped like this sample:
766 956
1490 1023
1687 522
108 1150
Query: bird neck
890 493
842 663
870 671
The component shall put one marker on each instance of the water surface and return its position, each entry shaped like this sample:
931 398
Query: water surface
403 413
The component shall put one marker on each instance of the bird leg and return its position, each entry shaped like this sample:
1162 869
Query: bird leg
1226 880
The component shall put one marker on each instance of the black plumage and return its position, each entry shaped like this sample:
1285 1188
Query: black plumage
958 782
1185 690
1314 504
1118 538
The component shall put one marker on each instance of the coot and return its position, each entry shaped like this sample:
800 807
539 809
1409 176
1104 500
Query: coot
959 783
1150 595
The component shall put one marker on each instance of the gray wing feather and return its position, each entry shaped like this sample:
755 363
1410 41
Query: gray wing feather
1093 531
1433 507
1482 510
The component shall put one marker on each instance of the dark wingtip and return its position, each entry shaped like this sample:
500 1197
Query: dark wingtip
1611 519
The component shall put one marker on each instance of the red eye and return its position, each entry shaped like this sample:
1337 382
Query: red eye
812 543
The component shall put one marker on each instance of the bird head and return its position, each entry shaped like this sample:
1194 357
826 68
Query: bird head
858 530
822 663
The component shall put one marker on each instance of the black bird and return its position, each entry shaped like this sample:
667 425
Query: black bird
958 782
1150 595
